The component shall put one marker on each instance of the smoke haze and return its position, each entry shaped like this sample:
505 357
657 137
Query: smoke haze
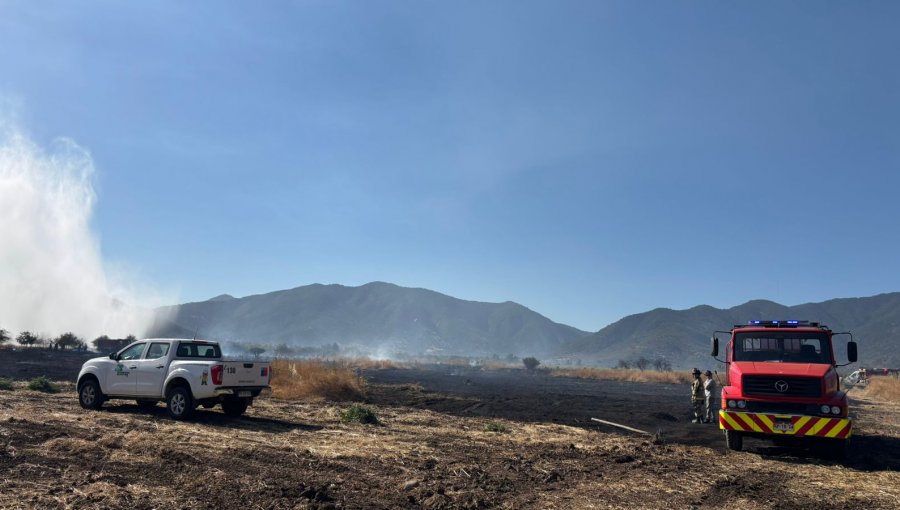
52 276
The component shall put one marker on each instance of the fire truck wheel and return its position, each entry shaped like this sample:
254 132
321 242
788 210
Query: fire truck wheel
734 440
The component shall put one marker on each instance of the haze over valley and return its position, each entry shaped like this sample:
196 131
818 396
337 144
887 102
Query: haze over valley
388 321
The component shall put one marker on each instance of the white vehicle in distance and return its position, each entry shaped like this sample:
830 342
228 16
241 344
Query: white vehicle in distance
182 373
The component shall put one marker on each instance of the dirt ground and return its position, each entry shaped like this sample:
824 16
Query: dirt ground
431 451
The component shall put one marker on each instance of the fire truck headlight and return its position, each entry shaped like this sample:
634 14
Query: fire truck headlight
731 404
826 409
835 410
742 404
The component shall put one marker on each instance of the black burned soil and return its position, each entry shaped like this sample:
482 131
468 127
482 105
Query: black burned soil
539 397
659 409
28 363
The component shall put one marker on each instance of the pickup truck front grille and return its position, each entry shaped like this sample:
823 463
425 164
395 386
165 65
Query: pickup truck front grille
778 386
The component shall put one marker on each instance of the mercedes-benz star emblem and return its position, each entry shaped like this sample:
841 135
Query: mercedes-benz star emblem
781 386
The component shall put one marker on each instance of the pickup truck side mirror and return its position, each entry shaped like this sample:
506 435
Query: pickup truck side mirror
113 356
714 344
851 351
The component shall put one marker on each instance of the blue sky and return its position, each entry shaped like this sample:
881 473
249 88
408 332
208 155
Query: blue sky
589 160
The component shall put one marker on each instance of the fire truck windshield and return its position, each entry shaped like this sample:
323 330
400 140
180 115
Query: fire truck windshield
781 346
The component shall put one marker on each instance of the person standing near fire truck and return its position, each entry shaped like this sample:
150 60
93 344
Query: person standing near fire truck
697 396
709 392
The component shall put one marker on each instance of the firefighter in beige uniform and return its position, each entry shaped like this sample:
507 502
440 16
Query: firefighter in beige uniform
697 396
709 391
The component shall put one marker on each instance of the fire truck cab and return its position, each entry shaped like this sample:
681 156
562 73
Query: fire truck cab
781 383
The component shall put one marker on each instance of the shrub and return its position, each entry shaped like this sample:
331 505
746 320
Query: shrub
497 427
359 414
531 363
6 384
43 384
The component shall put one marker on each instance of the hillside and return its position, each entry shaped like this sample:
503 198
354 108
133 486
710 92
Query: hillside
682 336
381 317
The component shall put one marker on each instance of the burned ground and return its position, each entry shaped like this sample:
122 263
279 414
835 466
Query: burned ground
432 450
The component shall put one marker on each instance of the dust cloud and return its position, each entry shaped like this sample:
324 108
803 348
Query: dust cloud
52 274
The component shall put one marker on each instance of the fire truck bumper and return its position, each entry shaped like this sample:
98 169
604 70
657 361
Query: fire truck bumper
784 424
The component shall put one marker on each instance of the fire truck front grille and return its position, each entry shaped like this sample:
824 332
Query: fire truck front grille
777 386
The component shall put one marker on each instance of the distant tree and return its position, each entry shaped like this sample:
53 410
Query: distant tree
67 340
26 338
257 351
283 350
4 336
96 341
642 363
624 363
530 363
662 365
130 338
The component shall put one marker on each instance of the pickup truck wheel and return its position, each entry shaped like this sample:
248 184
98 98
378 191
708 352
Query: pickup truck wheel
734 440
234 406
89 395
146 404
180 403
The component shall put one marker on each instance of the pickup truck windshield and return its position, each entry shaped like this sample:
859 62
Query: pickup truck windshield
788 347
198 350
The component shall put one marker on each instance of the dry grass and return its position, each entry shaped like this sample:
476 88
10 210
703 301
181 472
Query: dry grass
368 363
620 374
316 380
884 388
500 365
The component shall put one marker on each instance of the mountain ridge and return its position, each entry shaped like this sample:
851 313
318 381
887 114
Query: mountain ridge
376 316
682 336
384 319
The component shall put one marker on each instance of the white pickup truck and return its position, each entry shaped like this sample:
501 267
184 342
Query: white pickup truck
182 373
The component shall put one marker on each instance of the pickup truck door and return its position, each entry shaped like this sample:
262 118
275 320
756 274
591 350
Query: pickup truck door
120 380
150 371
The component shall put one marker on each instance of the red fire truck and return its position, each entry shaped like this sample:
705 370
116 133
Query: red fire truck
781 383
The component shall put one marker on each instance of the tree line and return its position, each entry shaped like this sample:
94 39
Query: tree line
642 363
64 341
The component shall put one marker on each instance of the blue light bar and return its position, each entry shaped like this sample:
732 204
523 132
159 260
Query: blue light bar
793 323
775 323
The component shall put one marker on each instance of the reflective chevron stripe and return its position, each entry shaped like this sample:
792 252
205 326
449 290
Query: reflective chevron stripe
809 426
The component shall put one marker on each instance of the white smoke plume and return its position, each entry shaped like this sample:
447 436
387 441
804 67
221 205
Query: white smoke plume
52 276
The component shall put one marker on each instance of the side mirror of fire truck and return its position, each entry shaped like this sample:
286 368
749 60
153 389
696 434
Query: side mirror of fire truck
851 351
715 346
